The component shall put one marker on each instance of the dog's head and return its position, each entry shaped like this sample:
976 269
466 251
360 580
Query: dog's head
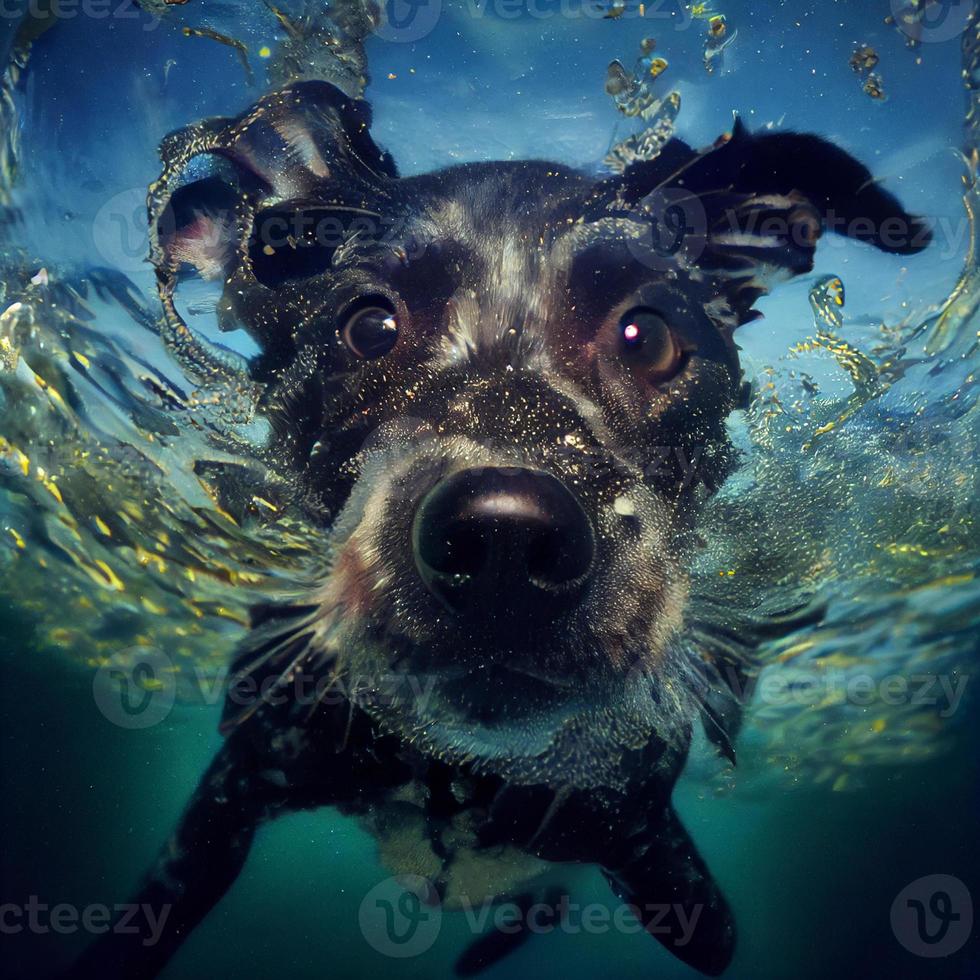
505 386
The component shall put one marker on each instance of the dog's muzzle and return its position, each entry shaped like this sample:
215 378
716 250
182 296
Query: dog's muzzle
503 547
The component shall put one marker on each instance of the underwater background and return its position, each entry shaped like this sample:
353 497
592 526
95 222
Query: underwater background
859 482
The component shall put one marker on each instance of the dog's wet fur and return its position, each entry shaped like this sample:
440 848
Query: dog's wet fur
468 377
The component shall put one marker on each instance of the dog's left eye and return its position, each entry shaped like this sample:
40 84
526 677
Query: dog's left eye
369 331
648 343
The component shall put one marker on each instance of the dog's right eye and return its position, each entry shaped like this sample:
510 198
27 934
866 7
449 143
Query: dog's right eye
369 330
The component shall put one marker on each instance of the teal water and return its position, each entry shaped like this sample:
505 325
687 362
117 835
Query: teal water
811 873
811 863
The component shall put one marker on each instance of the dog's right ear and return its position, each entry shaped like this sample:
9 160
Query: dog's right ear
306 145
307 141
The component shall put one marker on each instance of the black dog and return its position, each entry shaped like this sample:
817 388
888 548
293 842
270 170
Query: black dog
468 374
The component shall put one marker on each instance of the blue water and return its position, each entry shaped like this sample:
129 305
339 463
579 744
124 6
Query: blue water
810 872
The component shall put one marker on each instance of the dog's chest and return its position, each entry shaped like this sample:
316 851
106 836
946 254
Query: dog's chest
447 850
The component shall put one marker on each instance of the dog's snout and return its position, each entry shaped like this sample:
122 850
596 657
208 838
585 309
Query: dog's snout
503 544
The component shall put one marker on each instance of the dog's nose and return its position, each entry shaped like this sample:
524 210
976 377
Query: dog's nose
503 544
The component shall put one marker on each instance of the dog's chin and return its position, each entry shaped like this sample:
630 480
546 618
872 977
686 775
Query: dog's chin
498 696
522 724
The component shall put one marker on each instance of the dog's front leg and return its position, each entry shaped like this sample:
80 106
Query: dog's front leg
196 867
529 913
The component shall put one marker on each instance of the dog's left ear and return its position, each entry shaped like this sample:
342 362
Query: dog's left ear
758 204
